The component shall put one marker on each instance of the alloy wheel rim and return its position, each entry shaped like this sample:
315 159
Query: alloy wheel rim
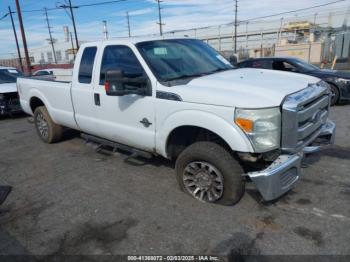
42 126
203 181
333 97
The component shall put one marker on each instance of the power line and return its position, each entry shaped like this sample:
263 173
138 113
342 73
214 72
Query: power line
293 11
4 16
76 6
71 15
260 17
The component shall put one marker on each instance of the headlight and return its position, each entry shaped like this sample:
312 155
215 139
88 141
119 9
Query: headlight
343 80
262 126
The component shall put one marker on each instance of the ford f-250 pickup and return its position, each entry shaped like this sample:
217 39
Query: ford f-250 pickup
180 99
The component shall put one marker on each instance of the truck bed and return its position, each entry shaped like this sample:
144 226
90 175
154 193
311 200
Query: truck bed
55 95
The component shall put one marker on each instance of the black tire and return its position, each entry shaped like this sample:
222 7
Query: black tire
233 183
42 120
335 94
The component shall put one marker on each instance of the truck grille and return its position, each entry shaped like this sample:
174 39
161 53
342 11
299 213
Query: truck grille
303 114
10 102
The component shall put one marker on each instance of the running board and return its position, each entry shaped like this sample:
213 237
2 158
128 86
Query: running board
115 146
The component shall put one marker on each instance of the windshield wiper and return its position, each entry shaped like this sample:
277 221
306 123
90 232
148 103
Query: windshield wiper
219 70
199 75
186 76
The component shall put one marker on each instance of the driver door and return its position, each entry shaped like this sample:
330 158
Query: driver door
128 119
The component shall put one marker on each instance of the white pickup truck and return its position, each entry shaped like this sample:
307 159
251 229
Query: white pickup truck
180 99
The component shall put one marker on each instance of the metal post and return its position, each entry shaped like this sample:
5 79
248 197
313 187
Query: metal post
29 70
51 40
315 16
71 39
261 43
15 33
219 28
246 35
160 18
105 30
236 9
279 33
74 27
128 21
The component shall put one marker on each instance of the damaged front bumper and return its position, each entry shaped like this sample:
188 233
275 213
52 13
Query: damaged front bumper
8 107
284 172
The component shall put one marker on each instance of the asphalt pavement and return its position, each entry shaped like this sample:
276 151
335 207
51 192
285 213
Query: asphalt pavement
68 199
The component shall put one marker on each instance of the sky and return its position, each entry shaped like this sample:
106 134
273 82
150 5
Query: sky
177 14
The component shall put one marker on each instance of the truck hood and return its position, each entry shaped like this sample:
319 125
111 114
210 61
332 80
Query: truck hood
246 87
8 88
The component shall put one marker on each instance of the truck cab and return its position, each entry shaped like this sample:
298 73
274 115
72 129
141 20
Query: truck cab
180 99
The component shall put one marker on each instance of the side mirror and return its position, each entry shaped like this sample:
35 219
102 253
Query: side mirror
116 84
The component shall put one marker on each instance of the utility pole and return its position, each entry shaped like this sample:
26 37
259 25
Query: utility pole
15 33
160 18
73 21
236 25
71 40
128 21
51 40
29 70
105 30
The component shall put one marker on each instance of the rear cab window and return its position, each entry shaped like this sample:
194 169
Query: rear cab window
87 64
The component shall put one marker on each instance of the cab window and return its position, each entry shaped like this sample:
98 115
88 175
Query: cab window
284 66
87 65
118 57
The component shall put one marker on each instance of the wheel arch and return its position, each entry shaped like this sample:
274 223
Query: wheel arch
35 102
199 126
331 83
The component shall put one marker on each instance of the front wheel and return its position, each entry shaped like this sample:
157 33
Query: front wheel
210 173
335 94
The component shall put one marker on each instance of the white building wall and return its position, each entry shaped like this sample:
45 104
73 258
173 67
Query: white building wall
44 54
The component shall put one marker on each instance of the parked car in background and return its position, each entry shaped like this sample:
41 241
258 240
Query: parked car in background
338 81
58 74
44 74
9 100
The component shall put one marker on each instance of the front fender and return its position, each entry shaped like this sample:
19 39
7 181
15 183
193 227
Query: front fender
229 132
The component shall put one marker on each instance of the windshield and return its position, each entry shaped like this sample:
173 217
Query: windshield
305 66
181 58
9 75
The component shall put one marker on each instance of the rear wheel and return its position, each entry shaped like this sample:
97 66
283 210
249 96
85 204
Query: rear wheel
210 173
47 130
335 94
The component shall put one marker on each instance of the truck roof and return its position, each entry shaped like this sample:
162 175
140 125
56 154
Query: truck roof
133 40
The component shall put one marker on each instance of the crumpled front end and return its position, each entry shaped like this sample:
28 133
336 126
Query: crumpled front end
9 103
305 129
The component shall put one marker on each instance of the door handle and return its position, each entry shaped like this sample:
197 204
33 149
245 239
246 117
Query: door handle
97 99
